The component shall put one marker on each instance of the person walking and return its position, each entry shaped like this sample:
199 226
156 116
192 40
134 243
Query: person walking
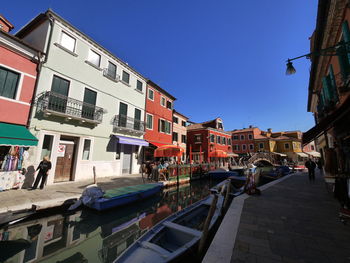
44 168
311 165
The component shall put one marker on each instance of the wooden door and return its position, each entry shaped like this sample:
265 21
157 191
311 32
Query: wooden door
64 164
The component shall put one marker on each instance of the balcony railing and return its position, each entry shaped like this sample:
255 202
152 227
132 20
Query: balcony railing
60 105
124 123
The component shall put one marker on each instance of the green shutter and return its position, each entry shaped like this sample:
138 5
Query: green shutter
333 83
8 83
90 96
325 88
123 109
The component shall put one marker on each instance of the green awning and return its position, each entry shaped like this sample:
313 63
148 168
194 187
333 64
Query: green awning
12 134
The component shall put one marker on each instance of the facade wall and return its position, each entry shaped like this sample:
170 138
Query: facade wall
81 75
154 108
181 131
16 110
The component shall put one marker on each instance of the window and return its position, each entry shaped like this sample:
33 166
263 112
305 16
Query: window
88 109
162 101
343 53
229 141
261 145
139 85
137 120
123 113
242 137
212 138
169 105
175 136
47 146
150 94
94 58
224 140
67 42
197 138
86 149
8 83
236 147
218 139
164 126
244 147
112 70
220 125
251 146
60 89
312 148
286 146
183 123
149 121
175 120
183 138
250 136
126 77
235 137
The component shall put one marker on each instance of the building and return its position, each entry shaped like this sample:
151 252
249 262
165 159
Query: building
243 140
180 132
329 90
206 138
90 105
159 118
19 64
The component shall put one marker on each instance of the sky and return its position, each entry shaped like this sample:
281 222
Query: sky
222 58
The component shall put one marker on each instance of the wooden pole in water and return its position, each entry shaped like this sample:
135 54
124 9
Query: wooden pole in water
94 171
227 196
177 174
207 224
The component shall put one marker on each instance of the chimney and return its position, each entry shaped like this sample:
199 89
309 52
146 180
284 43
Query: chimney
5 25
250 126
269 130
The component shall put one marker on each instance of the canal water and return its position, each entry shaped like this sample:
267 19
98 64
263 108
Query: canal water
89 236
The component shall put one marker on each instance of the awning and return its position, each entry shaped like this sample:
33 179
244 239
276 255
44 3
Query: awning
157 144
218 154
12 134
326 123
280 154
132 141
302 155
314 154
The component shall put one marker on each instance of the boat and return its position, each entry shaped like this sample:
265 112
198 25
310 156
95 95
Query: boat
119 196
12 217
174 236
236 188
220 174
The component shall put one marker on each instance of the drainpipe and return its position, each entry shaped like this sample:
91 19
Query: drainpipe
38 68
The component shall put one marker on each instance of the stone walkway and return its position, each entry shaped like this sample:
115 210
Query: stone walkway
292 221
57 194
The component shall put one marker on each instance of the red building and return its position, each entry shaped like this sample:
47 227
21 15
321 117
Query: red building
243 140
206 138
159 118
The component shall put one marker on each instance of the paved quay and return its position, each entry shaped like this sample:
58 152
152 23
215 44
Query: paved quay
292 221
57 194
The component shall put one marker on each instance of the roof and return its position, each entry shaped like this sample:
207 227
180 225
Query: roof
178 113
44 16
244 130
20 41
281 138
156 86
259 136
7 22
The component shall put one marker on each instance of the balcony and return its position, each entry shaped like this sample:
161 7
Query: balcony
124 124
51 103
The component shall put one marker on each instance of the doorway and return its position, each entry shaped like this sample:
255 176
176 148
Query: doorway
65 160
127 149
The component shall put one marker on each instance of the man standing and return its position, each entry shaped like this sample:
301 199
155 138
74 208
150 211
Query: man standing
311 165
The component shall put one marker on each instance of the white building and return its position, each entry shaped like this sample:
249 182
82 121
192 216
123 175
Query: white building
89 107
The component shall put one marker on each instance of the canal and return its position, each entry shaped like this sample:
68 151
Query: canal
89 236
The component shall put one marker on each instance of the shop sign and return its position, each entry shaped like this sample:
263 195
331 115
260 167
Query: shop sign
61 150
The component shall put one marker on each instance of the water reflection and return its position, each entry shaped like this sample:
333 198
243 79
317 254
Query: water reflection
88 236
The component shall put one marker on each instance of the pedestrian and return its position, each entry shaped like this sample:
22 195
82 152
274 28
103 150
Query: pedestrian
44 168
320 165
311 165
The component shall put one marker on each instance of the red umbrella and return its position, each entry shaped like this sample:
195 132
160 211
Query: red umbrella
168 151
218 153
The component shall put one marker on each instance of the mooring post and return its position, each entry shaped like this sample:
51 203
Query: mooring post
227 195
94 171
177 173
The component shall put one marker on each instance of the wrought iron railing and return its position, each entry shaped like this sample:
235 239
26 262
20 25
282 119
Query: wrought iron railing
123 121
111 74
51 102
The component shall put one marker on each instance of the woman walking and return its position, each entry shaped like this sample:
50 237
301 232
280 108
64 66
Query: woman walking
44 168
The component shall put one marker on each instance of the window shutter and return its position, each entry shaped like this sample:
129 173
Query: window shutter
159 128
325 85
334 91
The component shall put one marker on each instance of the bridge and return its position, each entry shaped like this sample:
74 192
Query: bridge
259 157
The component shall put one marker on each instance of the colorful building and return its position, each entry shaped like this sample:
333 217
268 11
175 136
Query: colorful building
159 118
206 139
19 65
180 132
243 140
90 105
329 86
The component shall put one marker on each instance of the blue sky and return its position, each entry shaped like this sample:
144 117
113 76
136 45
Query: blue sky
218 58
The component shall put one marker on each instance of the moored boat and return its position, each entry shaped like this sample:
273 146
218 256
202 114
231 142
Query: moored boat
220 174
175 235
